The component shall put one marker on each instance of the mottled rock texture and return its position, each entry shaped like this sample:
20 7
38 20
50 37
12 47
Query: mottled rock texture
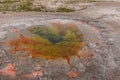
103 18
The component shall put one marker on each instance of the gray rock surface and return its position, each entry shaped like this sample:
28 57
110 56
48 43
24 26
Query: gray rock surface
101 18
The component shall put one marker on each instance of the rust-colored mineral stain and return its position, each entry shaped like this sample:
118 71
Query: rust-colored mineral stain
73 74
53 42
9 70
34 74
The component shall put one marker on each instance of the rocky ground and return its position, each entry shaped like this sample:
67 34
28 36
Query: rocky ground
100 20
46 5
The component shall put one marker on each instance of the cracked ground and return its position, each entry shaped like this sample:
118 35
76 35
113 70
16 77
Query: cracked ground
99 22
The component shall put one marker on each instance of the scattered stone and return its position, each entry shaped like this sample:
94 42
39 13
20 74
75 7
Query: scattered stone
91 45
3 34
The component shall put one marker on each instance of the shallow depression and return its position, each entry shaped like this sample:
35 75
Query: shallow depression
51 45
50 42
